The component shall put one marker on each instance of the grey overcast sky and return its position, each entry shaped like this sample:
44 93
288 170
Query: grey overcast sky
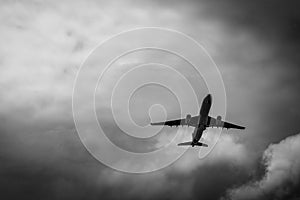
256 45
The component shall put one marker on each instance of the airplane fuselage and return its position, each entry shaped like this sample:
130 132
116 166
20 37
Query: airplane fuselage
205 107
200 122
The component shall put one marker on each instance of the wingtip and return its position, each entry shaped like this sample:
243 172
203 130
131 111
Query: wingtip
154 124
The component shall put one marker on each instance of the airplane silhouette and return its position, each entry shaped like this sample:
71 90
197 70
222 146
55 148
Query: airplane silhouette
200 122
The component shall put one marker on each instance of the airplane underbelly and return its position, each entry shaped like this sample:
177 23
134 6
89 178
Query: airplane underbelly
204 110
205 107
203 121
198 133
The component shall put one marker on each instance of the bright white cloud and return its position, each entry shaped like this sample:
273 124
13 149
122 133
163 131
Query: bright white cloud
227 149
282 164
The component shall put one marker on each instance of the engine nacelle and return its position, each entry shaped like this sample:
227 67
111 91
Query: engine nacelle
188 119
219 121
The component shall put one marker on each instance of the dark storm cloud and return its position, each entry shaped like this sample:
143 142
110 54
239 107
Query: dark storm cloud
277 22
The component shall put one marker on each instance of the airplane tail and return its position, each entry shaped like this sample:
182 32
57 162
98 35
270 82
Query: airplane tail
192 144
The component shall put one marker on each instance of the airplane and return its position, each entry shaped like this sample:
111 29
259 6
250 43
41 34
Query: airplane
200 122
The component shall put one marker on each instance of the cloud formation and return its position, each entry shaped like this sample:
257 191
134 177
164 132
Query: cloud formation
255 44
282 173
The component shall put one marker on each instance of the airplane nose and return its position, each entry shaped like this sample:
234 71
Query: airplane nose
209 97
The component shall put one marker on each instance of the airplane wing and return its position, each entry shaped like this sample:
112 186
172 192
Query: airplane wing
212 122
189 121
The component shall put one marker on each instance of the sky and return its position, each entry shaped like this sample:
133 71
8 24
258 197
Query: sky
255 45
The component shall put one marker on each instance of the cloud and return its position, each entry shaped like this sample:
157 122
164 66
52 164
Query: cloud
282 173
187 178
226 150
255 44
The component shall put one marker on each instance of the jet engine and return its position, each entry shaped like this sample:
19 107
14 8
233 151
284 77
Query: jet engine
219 121
187 119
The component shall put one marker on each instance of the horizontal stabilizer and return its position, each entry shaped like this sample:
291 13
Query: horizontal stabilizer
192 144
185 144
